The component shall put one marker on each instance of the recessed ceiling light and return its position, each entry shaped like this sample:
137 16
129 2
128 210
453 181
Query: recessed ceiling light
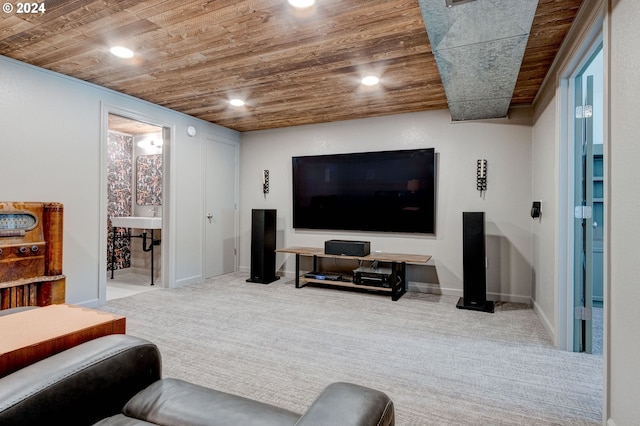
370 80
301 3
236 102
122 52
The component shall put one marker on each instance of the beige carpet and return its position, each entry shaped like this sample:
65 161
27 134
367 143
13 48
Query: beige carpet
440 365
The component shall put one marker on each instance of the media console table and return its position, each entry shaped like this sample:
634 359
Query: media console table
398 263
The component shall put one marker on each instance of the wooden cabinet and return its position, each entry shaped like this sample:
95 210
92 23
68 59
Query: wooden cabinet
31 254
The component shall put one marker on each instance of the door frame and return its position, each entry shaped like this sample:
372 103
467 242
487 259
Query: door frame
583 178
166 263
591 41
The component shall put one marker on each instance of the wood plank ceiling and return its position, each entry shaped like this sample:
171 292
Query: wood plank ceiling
291 67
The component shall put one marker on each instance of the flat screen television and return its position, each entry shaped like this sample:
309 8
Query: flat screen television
385 191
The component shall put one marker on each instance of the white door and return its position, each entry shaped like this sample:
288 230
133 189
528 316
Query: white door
220 221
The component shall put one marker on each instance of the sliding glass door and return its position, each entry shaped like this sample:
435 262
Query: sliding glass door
589 207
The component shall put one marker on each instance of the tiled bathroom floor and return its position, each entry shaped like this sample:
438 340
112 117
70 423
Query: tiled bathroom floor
128 284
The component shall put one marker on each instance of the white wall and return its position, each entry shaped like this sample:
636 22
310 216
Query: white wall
623 314
50 150
546 188
506 144
552 176
622 151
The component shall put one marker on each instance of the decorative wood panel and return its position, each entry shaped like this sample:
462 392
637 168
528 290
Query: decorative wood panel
291 67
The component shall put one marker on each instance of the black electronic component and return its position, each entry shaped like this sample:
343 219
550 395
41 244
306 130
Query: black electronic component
474 274
375 277
387 191
536 209
330 276
347 247
263 246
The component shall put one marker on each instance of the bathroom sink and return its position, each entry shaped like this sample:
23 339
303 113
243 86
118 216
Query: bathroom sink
139 222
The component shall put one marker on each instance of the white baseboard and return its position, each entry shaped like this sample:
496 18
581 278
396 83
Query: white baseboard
545 322
91 303
188 280
437 289
432 289
515 298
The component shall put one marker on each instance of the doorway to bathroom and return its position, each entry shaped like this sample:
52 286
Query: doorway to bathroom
135 176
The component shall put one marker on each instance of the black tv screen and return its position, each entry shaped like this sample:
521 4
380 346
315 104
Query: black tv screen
386 191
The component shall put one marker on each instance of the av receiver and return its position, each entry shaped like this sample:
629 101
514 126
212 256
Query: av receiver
376 277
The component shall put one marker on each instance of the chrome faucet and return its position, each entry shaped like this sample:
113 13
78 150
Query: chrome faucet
154 210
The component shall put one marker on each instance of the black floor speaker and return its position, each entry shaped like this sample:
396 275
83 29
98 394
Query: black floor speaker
263 246
474 273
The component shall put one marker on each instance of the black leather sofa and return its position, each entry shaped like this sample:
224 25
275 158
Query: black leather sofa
116 380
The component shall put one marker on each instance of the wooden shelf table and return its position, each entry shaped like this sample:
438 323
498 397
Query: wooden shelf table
398 263
32 335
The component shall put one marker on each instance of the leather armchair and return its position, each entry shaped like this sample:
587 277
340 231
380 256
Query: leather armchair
116 380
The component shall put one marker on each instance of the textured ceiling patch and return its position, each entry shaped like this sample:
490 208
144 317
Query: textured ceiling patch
478 47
